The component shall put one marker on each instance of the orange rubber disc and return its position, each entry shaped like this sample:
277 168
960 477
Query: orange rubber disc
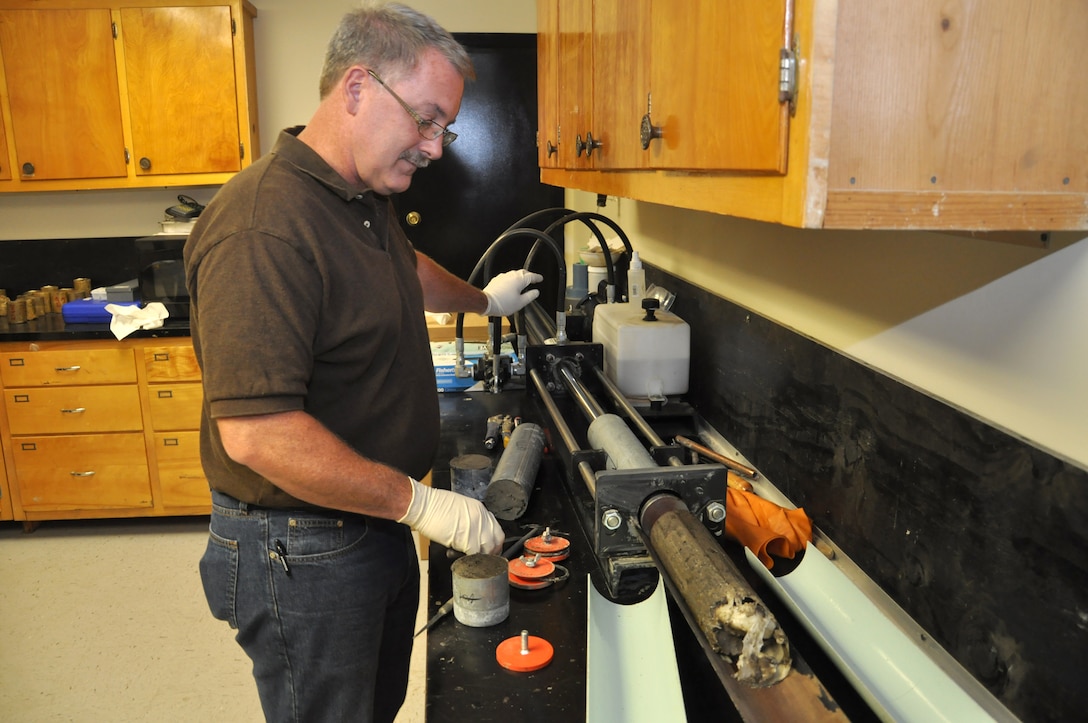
557 548
526 584
538 654
542 568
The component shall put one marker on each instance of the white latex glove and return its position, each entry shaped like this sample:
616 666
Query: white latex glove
456 521
506 292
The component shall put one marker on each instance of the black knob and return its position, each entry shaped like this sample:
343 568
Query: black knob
552 149
592 145
648 132
650 305
28 169
145 163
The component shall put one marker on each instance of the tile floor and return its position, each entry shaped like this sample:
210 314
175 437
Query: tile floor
106 621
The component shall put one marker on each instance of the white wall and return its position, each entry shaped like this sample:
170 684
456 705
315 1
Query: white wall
998 330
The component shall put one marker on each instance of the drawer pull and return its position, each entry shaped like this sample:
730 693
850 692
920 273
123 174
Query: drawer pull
67 369
167 394
161 356
82 474
77 410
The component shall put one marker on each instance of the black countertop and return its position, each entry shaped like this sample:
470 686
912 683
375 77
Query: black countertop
52 327
464 680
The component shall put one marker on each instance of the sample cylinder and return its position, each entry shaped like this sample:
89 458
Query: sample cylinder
470 475
481 590
515 475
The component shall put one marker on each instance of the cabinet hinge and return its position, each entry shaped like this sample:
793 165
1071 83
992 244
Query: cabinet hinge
113 27
128 158
787 75
242 151
233 27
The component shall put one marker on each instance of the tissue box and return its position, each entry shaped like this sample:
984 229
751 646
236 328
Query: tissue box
89 311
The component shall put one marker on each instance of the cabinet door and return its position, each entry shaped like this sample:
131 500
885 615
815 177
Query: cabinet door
82 472
715 72
183 104
547 64
575 83
171 364
175 406
62 84
181 476
621 83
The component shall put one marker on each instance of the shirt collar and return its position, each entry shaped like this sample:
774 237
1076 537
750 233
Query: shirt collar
307 160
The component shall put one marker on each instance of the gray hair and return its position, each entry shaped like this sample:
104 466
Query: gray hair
389 39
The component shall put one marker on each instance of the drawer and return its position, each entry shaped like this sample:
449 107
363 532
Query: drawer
60 367
175 406
82 472
171 364
68 410
181 477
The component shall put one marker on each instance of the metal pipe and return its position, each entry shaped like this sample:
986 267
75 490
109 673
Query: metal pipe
561 426
585 400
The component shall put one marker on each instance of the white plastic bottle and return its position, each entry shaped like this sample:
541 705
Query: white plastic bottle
636 280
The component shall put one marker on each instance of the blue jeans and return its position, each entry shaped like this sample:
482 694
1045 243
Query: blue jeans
324 604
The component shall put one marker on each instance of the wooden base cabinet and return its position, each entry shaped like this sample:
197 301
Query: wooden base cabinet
101 429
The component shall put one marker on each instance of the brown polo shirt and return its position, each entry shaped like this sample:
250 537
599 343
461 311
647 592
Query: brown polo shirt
305 297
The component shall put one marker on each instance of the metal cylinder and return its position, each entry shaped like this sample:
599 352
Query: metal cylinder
611 434
730 614
512 484
481 590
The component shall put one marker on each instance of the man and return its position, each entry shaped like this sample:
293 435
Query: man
320 408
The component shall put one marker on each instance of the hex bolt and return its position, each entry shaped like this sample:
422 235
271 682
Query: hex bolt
715 511
611 520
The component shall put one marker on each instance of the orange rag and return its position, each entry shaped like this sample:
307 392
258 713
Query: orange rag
764 527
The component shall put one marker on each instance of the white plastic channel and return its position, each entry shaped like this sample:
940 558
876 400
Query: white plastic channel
894 676
631 662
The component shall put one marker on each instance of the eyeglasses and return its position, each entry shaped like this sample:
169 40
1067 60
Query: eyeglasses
427 128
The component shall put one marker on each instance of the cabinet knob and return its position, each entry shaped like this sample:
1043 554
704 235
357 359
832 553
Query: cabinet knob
588 145
413 218
145 163
28 169
552 149
649 132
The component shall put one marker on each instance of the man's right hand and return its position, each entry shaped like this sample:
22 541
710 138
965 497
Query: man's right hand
456 521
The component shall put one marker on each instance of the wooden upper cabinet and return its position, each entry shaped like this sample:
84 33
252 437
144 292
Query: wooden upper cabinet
127 93
715 82
179 63
922 115
66 115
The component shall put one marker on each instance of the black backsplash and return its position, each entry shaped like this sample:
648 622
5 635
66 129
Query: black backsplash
979 536
27 265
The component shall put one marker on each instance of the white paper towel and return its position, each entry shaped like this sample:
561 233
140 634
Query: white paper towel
127 319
